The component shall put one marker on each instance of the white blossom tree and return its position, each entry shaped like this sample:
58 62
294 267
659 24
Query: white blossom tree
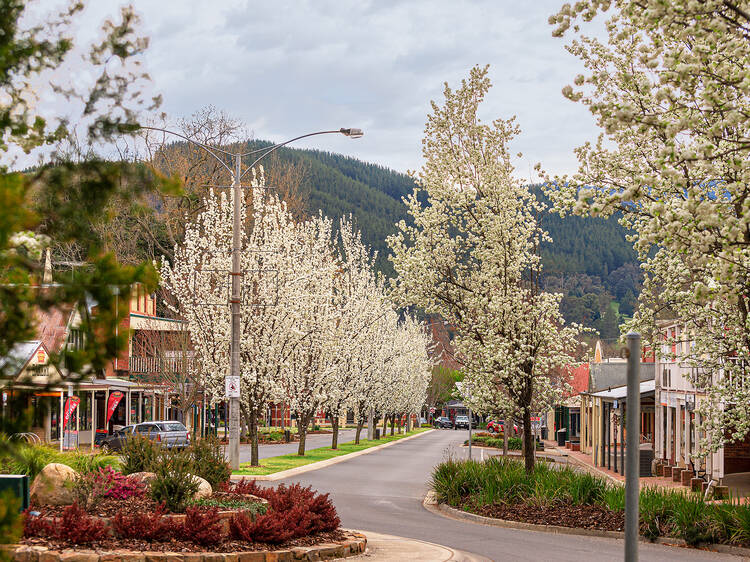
670 89
471 256
198 282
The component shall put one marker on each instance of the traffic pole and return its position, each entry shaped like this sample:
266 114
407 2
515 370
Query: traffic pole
469 433
632 457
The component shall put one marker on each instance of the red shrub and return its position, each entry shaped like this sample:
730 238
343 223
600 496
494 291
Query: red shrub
142 525
37 526
294 511
202 526
78 527
246 487
269 528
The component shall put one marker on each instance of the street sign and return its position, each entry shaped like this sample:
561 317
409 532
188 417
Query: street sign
432 410
232 387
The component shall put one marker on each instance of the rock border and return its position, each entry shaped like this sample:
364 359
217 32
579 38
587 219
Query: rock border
433 506
356 544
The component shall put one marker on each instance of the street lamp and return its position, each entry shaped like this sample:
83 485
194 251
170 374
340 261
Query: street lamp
236 273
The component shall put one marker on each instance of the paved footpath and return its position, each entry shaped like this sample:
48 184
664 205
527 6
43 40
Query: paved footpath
312 442
382 492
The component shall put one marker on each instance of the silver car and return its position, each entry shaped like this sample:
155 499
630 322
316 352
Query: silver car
168 433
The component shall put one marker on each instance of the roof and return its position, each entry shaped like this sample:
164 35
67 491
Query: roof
610 375
20 354
621 392
51 326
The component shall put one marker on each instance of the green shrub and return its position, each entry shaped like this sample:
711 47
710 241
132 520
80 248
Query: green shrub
586 489
31 459
614 498
690 519
210 463
741 525
253 507
174 483
655 511
11 520
139 454
85 463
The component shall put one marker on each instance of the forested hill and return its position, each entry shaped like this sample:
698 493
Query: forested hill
590 260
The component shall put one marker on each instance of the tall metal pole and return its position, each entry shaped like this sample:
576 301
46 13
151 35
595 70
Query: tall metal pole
632 458
234 402
469 433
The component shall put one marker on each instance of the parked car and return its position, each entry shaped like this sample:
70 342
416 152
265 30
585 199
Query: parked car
496 426
422 421
442 422
167 433
462 422
117 439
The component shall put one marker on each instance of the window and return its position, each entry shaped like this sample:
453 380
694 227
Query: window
666 378
172 426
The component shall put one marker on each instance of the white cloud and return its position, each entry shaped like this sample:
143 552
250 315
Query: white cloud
292 66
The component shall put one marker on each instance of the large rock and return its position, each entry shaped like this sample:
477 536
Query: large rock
54 485
144 478
204 488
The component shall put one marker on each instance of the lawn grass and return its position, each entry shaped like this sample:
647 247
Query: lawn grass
285 462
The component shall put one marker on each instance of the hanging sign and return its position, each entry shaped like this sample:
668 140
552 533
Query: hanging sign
114 400
70 406
232 387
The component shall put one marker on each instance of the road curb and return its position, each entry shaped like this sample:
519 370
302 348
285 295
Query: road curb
322 464
431 504
386 548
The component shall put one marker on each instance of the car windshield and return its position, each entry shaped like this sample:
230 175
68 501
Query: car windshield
462 418
172 426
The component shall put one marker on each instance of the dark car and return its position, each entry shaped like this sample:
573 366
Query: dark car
442 422
117 439
167 433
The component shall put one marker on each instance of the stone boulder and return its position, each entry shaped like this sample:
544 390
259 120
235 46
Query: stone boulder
204 488
144 478
53 485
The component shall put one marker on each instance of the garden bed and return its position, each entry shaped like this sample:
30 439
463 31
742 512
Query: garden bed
500 488
563 514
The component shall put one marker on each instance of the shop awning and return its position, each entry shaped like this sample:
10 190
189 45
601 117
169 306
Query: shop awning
621 392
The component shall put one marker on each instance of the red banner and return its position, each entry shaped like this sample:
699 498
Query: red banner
114 400
70 406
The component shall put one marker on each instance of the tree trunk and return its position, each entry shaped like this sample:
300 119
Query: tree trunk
528 445
335 428
505 437
360 425
302 422
393 423
385 425
408 423
254 460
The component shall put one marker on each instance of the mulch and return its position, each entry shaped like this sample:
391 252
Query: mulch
107 507
561 514
174 545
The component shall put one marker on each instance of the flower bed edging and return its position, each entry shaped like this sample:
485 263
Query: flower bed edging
356 544
431 505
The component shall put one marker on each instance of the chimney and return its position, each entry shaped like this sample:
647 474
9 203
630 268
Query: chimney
47 278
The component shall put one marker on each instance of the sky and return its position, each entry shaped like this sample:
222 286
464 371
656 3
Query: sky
290 67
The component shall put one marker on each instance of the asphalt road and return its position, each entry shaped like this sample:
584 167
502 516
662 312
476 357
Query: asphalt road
383 491
312 442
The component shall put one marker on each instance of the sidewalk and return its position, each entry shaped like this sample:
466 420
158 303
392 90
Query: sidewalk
584 461
388 548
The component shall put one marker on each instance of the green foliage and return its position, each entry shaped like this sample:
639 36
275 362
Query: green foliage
690 518
140 454
231 502
209 461
30 459
85 463
174 483
11 520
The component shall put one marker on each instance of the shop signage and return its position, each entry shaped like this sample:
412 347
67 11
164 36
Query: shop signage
114 400
70 406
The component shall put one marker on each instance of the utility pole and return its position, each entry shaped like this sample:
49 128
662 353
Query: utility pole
632 458
234 402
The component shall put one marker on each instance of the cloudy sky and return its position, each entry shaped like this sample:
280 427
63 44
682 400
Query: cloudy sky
296 66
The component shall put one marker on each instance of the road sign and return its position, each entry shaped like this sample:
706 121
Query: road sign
232 387
432 410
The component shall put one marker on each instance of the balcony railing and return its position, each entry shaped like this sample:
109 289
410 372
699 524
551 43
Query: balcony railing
160 364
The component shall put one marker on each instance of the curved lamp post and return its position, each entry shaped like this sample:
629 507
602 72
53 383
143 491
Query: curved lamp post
236 273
